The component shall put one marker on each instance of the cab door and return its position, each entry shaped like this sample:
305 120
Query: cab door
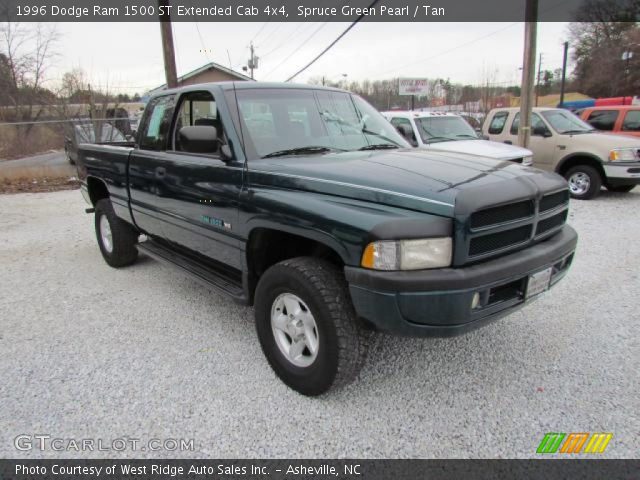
543 141
145 166
201 190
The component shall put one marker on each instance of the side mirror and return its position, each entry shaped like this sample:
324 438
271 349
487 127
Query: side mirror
199 139
541 131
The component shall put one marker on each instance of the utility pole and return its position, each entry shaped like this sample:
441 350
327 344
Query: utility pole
538 83
167 44
528 72
253 60
564 72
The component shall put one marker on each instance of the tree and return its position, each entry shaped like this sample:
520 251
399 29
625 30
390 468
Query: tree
27 52
604 31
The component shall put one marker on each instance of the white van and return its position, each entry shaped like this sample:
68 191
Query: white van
448 132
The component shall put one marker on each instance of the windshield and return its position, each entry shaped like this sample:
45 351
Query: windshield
444 129
285 121
564 121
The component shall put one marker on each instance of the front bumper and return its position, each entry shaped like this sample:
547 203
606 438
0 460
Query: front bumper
619 174
438 302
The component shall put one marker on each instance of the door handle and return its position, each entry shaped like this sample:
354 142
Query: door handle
508 142
161 172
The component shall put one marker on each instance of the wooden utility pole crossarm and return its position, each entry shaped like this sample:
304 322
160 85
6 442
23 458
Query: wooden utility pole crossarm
167 44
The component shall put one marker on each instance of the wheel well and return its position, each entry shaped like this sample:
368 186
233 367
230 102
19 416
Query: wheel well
571 162
97 190
267 247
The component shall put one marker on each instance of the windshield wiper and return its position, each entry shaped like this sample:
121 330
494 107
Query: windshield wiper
466 135
379 146
441 139
570 132
298 151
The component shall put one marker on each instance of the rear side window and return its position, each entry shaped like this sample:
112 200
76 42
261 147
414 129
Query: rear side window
631 121
497 123
156 123
603 119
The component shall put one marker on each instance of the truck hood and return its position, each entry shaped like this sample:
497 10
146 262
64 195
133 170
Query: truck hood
606 140
431 182
485 148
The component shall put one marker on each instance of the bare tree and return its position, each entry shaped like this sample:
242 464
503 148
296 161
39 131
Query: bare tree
27 52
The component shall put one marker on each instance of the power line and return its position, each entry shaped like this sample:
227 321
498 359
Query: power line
298 48
355 22
450 50
260 31
204 48
266 39
283 42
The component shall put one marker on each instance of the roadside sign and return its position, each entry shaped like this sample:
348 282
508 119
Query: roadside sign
413 86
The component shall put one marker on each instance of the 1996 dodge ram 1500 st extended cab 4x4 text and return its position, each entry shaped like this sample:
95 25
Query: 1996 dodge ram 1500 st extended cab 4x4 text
305 202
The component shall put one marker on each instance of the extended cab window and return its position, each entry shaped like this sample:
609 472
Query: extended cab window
156 124
497 123
536 123
603 119
631 121
196 109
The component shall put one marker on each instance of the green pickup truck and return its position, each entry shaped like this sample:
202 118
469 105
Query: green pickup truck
306 203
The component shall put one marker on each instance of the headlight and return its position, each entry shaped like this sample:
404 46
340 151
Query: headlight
408 254
623 154
527 161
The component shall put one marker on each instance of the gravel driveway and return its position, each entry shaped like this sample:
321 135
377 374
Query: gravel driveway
144 352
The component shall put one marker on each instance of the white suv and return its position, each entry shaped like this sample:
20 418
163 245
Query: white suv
565 144
448 132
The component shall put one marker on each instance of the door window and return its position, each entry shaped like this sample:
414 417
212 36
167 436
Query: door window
396 121
196 109
497 123
155 127
603 119
536 123
631 121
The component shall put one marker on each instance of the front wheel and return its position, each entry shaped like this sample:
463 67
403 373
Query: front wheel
620 188
584 182
307 326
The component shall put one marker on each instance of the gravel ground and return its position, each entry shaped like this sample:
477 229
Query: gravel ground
144 352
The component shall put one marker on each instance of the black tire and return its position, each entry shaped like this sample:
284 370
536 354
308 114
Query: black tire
122 251
620 188
342 341
595 181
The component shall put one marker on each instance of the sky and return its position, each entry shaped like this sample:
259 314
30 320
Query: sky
128 56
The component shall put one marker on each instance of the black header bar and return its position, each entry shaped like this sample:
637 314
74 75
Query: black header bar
311 10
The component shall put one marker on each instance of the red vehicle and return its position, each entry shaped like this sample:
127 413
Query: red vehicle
619 119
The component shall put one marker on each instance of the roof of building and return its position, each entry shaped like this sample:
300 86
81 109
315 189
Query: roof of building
200 70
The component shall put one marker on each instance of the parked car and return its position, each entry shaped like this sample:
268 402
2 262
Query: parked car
563 143
84 132
448 132
305 202
615 119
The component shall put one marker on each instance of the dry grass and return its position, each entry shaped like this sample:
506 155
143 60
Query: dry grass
38 179
15 142
47 184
